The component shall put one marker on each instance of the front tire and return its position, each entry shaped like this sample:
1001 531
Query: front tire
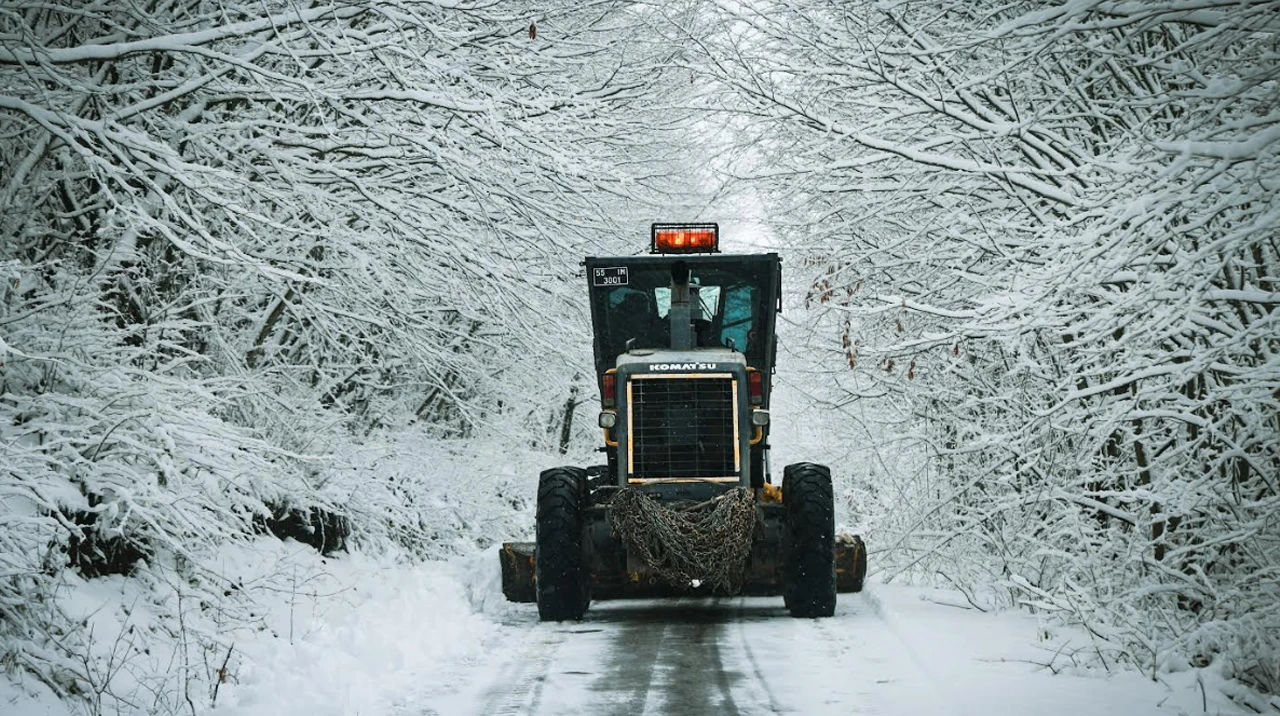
561 580
809 567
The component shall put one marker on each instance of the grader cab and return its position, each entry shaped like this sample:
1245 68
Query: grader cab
686 503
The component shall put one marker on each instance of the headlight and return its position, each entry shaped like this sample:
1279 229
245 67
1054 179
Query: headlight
608 418
759 417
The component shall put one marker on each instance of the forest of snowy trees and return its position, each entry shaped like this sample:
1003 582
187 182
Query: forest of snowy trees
1049 250
239 239
1035 251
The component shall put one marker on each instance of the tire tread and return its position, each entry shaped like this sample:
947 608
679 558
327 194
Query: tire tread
809 584
560 577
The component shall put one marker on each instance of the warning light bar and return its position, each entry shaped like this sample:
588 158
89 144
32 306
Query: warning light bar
685 239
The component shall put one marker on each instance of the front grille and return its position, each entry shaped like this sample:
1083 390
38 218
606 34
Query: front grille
682 427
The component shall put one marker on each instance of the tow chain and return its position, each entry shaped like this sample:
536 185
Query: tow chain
689 545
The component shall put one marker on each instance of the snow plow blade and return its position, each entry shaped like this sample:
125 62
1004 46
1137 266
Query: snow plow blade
764 580
517 572
851 563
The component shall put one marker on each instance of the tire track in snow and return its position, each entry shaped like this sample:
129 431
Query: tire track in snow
526 674
628 678
925 672
758 677
693 678
741 656
664 658
812 667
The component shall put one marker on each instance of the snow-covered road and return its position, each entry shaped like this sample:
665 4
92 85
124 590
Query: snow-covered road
887 651
379 637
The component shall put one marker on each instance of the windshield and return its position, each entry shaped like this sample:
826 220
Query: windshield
725 313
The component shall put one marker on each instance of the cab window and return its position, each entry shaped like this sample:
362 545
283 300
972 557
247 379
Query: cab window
738 324
731 301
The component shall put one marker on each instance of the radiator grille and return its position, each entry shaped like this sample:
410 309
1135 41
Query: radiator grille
682 427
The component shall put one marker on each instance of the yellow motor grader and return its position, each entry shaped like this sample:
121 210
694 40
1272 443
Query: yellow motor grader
685 349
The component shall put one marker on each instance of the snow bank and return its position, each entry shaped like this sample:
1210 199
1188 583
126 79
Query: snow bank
309 635
386 627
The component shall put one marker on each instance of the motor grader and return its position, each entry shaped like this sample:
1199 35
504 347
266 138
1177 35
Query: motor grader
685 353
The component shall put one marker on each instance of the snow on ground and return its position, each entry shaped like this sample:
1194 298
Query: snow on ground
981 663
322 636
388 636
392 626
375 637
893 650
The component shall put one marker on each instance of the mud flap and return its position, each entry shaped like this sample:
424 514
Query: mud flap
851 563
517 571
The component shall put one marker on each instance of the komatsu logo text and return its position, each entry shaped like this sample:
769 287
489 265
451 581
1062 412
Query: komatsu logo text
682 366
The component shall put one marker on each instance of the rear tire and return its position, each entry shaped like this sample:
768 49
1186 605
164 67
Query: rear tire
809 565
561 579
